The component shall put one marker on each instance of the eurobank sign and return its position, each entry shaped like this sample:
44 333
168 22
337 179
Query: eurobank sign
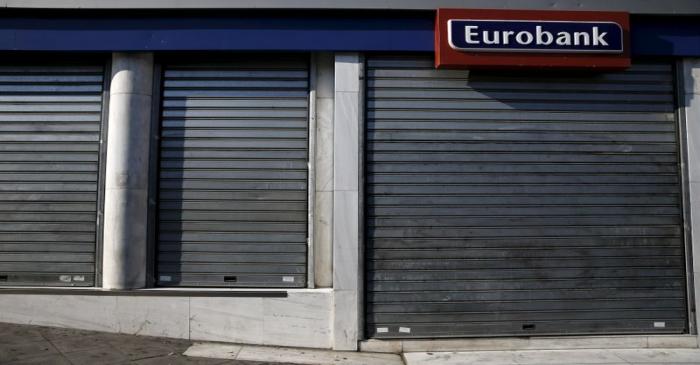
534 36
508 38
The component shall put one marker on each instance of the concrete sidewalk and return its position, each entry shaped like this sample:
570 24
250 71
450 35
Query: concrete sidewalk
23 344
555 357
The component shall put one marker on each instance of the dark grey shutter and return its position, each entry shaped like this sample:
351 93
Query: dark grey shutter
522 203
50 118
233 174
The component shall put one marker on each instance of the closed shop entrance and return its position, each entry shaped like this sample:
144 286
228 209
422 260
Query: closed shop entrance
233 173
50 125
522 203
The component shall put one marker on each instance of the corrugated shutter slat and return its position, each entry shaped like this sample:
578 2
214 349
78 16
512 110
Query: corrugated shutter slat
233 174
513 203
50 122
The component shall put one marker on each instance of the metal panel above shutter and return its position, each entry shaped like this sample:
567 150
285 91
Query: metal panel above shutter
506 203
50 118
233 174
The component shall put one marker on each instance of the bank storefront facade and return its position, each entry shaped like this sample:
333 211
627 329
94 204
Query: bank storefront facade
374 178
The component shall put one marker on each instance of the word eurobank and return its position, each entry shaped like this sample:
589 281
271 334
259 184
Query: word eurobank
535 36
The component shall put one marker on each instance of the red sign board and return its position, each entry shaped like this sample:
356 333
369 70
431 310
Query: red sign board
530 38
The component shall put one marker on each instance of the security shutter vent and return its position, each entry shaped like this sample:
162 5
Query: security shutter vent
233 174
50 119
522 203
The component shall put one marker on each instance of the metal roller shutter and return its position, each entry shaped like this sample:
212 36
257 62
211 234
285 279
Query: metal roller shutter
233 174
50 118
522 203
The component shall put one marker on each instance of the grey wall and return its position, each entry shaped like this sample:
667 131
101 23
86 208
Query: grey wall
312 317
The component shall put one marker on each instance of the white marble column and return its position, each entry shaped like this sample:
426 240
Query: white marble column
126 178
691 107
323 204
346 183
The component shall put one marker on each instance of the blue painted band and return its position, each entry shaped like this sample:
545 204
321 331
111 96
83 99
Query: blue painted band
217 34
665 36
650 36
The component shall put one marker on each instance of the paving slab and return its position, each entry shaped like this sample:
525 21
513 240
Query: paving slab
285 355
213 350
104 355
555 357
179 360
460 358
646 356
551 357
16 334
135 348
53 359
80 343
55 333
23 351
